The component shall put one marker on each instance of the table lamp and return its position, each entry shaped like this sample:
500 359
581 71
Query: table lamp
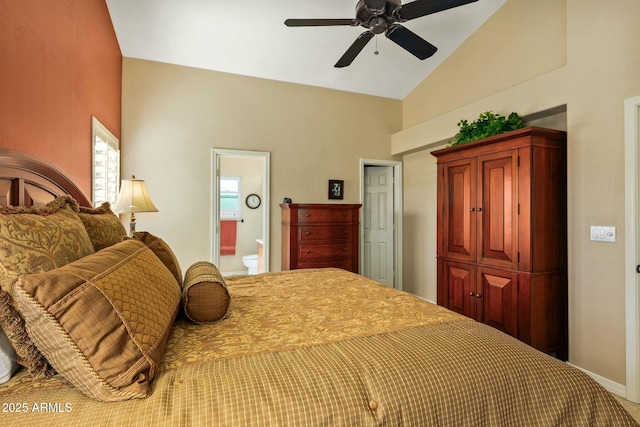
133 198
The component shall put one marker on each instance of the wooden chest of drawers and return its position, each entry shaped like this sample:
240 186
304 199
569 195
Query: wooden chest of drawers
320 235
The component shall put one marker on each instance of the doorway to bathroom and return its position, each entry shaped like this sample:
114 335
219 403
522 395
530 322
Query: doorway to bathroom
240 211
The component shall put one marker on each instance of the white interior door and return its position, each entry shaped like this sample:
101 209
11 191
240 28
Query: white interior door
632 245
378 219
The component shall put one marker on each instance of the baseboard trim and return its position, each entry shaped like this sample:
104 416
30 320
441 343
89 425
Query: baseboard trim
611 386
424 299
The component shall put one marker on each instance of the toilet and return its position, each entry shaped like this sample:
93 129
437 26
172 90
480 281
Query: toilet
251 262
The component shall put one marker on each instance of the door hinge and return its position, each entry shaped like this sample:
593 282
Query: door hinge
518 161
518 257
518 208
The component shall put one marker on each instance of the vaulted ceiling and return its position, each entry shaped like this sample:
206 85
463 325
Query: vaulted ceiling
249 38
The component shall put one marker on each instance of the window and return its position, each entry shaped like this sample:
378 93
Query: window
105 164
230 197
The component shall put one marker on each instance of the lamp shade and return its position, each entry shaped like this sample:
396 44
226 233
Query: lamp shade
133 197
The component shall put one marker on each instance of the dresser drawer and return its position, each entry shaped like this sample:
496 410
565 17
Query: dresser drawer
318 215
328 250
327 232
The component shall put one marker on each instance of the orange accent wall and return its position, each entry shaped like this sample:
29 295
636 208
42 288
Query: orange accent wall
60 63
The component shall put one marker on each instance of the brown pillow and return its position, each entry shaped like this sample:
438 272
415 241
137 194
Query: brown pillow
36 240
205 297
162 251
103 321
103 226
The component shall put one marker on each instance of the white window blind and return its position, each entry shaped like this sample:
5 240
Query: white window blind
106 164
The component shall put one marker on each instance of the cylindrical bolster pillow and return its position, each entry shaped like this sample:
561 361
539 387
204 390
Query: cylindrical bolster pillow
205 297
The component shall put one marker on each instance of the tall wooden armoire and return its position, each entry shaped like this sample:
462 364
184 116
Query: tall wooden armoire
502 234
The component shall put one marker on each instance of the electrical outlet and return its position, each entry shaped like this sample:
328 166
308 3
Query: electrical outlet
600 233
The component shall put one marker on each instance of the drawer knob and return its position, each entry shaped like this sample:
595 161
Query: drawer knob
307 215
307 233
308 251
345 249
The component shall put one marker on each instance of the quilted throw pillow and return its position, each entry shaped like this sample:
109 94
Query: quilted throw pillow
103 321
205 297
103 226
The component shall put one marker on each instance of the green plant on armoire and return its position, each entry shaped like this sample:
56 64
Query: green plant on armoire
486 125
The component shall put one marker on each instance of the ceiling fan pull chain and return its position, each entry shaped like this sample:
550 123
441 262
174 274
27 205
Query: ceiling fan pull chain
375 52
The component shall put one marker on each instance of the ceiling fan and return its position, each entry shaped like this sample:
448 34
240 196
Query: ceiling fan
384 16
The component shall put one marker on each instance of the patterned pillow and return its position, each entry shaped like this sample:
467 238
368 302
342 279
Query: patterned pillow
103 226
162 251
35 240
205 297
103 321
31 241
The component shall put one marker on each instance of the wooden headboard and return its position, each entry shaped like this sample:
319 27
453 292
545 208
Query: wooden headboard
27 181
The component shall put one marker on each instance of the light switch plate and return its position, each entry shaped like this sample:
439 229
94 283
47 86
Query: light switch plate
601 233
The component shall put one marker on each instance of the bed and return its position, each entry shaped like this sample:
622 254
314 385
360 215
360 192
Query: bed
299 348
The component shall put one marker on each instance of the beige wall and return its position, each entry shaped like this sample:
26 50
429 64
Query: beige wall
173 116
599 42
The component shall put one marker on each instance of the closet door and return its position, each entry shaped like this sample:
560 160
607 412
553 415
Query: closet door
497 209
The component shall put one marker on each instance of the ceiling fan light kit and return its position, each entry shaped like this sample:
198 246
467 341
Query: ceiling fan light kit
385 16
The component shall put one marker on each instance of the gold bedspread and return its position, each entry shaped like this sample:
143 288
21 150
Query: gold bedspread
327 347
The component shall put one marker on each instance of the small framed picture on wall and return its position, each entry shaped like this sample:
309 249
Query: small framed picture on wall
336 189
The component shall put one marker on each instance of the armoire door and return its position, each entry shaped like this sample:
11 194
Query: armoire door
459 280
496 209
499 293
459 209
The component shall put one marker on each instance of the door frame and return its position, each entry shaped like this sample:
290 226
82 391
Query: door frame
397 215
632 246
216 154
